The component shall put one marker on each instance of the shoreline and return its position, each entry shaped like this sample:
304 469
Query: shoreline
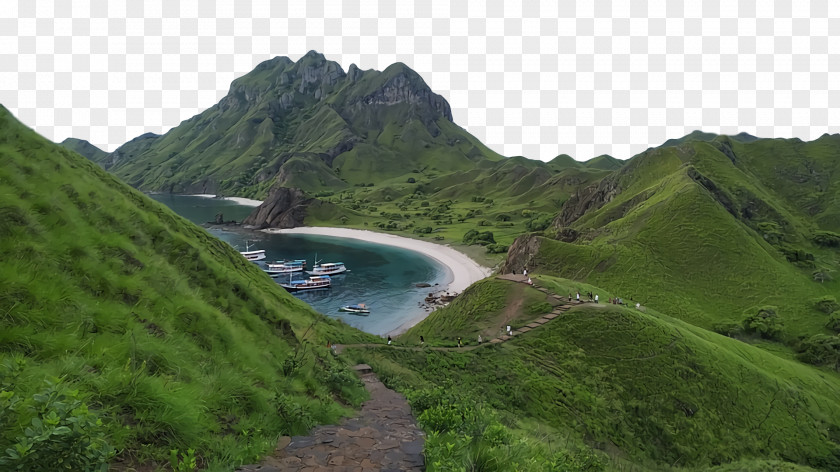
239 200
463 271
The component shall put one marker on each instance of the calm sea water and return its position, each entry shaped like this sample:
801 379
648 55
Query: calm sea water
382 277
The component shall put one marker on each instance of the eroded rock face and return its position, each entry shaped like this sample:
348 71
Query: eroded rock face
522 255
284 208
590 198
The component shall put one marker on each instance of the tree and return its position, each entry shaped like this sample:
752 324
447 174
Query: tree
834 322
826 304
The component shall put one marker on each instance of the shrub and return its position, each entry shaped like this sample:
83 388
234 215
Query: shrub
411 180
763 321
57 429
827 239
826 304
821 349
502 217
474 237
497 248
834 322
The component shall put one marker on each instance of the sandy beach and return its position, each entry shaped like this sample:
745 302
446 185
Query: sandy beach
463 271
239 200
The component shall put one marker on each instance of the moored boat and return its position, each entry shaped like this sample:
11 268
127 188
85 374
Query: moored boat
255 255
359 309
312 283
328 268
287 267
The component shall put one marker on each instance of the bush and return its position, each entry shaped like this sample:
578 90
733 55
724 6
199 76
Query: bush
821 349
826 304
474 237
763 321
497 248
834 322
55 428
827 239
502 217
411 180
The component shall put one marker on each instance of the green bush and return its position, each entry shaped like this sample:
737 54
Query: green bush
834 322
497 248
474 237
729 328
821 349
826 304
827 239
763 321
53 428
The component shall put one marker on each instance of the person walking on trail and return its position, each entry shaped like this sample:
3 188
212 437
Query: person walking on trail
509 332
596 298
524 271
479 339
578 297
459 341
422 341
389 340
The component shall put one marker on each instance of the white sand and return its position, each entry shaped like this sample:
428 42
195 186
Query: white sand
239 200
463 270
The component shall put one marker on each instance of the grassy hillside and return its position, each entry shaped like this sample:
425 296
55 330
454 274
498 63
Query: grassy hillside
606 387
170 338
709 231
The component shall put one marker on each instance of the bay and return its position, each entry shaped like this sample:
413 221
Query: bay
382 277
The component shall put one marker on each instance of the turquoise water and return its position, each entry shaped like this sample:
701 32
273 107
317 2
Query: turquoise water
382 277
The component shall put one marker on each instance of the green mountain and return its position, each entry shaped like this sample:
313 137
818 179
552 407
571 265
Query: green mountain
126 330
305 124
708 231
698 135
85 148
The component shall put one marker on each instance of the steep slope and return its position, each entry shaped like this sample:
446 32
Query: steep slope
172 339
706 230
352 127
85 148
615 388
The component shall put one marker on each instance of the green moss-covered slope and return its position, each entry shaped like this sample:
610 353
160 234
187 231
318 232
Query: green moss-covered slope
168 334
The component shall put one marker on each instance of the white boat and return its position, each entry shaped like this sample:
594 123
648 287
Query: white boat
256 255
312 283
287 267
359 309
328 268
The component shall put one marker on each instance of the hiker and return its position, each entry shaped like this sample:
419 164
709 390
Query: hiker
596 298
389 340
578 297
479 339
422 341
529 281
459 341
509 332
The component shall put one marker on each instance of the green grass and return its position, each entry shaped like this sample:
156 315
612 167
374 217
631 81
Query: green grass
170 336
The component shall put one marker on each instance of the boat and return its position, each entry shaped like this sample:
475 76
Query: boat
286 267
256 255
359 309
312 283
328 268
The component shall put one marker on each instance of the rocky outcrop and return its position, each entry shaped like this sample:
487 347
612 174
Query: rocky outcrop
284 208
587 199
522 255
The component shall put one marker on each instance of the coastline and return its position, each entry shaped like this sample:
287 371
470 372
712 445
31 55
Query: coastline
239 200
463 271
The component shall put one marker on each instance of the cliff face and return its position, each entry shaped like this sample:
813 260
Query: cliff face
586 199
284 208
521 255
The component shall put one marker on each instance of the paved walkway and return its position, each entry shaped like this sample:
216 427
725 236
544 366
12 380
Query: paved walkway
383 437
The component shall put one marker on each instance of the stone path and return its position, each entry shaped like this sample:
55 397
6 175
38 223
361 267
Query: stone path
383 437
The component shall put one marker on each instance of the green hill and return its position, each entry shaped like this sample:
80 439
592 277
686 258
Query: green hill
606 387
85 148
707 231
167 335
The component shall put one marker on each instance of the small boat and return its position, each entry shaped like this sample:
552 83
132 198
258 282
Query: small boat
256 255
312 283
359 309
328 268
286 267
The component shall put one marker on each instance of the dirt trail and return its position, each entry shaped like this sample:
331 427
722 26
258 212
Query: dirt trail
382 437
